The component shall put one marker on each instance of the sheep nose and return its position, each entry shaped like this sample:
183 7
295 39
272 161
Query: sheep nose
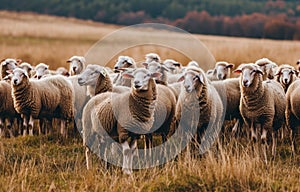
74 68
220 77
245 82
15 81
39 76
116 67
79 79
285 81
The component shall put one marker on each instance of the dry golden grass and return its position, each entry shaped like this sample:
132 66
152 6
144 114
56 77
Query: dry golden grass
46 163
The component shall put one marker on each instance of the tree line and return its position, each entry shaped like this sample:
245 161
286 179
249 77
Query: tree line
276 19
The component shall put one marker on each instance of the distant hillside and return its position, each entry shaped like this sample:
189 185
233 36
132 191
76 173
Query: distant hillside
277 19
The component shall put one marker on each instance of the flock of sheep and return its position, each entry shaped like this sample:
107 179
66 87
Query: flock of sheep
154 97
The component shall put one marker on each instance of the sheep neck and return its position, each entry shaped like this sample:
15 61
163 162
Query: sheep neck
103 84
22 96
253 94
142 103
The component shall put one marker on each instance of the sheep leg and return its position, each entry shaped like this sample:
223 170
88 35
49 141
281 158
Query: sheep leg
295 139
25 124
264 144
253 132
30 126
87 158
63 128
1 127
9 127
274 144
127 158
235 127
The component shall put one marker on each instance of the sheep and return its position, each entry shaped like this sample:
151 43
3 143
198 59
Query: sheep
97 80
173 66
152 57
50 97
77 64
122 115
8 64
27 67
221 71
268 67
286 75
292 113
7 110
62 71
199 107
41 70
262 102
229 91
123 62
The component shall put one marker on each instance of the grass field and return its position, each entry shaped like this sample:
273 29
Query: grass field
47 163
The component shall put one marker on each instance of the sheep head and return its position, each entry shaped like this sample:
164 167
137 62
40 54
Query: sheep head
249 72
125 62
285 74
91 74
152 57
11 64
27 67
77 64
40 70
18 76
140 78
222 69
193 79
173 66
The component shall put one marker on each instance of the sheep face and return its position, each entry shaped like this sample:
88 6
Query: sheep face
172 65
152 57
27 67
62 71
155 67
248 71
76 64
124 62
192 80
140 78
286 76
222 70
41 70
10 64
18 75
91 75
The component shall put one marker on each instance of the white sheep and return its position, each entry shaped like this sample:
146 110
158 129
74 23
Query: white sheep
7 111
286 75
27 67
8 65
152 57
199 107
221 71
262 102
77 64
174 66
41 71
102 112
49 98
292 113
123 63
268 68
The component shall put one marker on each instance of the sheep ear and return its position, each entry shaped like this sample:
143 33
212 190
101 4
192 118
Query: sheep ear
155 75
238 71
210 71
181 78
259 71
103 72
298 62
9 71
200 78
19 61
296 72
68 61
127 76
68 74
145 64
7 77
230 65
278 73
177 65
